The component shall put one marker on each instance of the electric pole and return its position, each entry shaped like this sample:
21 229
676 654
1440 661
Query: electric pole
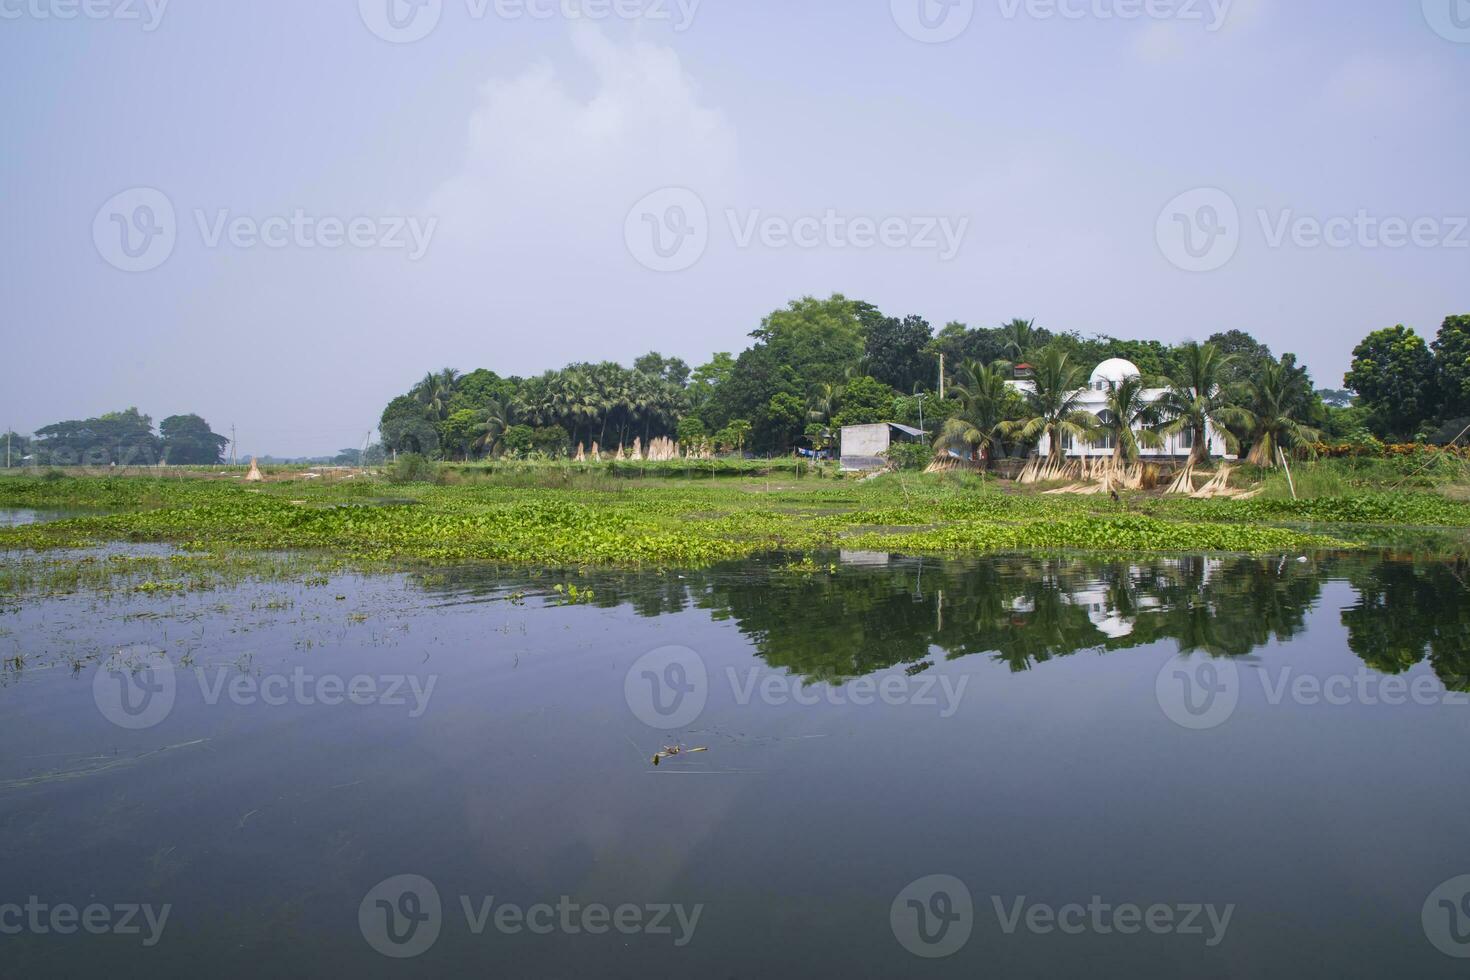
233 448
941 377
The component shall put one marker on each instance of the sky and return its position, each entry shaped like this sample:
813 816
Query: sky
279 215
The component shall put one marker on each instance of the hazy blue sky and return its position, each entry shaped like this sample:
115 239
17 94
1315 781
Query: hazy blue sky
1055 138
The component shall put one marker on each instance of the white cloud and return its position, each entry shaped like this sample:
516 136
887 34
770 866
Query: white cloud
536 149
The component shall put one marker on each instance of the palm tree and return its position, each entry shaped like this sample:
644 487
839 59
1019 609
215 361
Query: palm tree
822 404
1054 404
1018 337
980 424
435 391
739 430
499 417
1274 398
1198 399
1129 420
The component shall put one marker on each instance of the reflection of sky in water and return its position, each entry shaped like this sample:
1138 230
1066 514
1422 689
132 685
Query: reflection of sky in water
1056 775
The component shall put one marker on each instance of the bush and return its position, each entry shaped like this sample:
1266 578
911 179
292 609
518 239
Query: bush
413 468
910 456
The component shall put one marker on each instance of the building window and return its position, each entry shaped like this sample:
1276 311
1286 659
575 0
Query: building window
1106 441
1186 438
1068 443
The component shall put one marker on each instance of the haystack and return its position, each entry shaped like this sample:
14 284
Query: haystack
254 476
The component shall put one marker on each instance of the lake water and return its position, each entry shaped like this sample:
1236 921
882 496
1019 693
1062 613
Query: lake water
1039 767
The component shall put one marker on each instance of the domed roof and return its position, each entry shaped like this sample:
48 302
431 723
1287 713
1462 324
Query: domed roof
1115 370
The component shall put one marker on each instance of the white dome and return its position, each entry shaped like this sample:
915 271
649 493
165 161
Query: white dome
1115 370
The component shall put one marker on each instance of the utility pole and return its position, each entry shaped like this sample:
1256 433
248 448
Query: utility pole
233 447
941 377
7 447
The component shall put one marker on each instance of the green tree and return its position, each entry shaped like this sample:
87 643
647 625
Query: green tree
1019 338
1199 398
1394 374
865 401
1053 404
783 420
1246 355
692 433
1275 401
897 352
519 440
495 420
188 441
739 430
987 403
461 431
117 438
1129 419
405 428
1452 364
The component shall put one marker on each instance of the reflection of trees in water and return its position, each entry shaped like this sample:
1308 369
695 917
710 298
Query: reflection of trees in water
875 613
1406 609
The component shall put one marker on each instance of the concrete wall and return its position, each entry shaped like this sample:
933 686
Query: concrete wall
863 446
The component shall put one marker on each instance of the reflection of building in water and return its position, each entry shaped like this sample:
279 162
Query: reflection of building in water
865 559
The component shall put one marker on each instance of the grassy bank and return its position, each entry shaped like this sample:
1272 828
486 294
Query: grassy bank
591 517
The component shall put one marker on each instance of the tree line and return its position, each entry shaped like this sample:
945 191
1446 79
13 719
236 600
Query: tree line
820 364
116 439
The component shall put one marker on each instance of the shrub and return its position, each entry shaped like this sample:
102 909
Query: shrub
413 468
909 456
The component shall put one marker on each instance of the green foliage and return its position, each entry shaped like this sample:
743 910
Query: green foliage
1452 362
413 468
1394 374
692 432
117 438
864 401
909 455
187 441
896 351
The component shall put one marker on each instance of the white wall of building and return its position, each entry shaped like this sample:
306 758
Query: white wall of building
1095 399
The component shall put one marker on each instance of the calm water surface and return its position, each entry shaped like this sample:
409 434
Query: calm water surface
1266 756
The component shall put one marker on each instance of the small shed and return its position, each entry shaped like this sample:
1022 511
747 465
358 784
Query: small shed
863 446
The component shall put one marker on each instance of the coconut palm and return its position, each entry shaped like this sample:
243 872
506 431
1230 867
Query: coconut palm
1275 396
1129 419
1018 338
1053 404
1199 399
499 417
985 400
824 402
435 391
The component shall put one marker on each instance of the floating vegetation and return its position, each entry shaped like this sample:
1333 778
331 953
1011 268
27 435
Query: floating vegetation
310 532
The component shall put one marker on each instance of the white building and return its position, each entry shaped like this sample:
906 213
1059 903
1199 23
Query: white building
1094 400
